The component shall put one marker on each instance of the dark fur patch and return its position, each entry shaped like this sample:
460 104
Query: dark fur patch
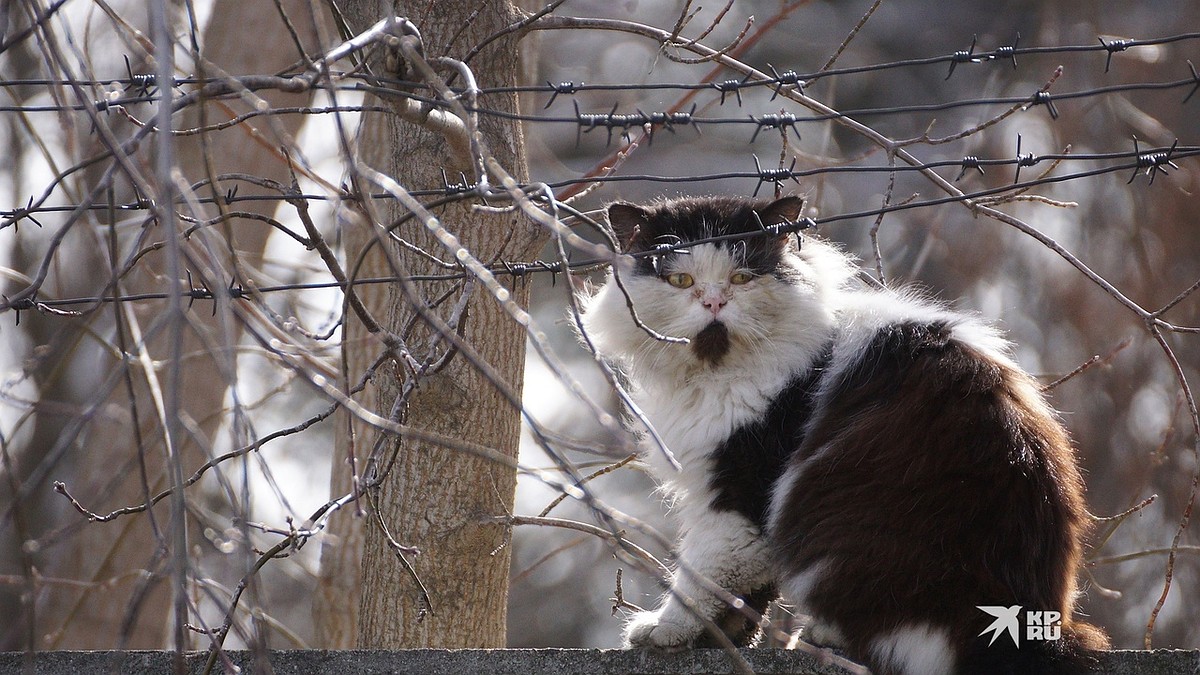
746 466
712 344
641 228
933 482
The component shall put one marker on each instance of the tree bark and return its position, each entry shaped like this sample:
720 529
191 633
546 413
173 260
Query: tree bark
439 500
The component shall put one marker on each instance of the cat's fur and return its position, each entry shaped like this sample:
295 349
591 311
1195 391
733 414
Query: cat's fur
877 459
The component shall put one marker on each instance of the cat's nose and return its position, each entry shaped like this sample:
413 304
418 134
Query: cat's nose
713 302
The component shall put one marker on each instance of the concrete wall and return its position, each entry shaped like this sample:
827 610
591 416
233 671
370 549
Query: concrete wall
509 662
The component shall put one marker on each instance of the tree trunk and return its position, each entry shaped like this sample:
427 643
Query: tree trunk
438 500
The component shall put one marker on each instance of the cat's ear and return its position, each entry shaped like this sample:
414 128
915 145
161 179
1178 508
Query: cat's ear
782 210
626 221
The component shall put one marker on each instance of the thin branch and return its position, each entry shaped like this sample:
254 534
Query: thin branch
1186 516
606 470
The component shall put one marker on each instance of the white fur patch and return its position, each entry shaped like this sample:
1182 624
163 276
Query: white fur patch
824 634
915 650
797 587
724 547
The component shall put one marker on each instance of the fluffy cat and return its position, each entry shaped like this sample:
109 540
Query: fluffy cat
877 459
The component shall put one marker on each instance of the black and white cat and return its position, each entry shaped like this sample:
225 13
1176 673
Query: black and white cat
877 459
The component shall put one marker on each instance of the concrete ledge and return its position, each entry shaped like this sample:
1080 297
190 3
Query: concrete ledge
508 662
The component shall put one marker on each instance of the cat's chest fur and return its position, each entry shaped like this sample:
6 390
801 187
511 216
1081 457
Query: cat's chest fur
694 416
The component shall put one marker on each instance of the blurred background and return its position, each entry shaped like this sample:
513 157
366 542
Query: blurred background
1126 410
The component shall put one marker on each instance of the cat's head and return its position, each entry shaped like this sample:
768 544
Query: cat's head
756 297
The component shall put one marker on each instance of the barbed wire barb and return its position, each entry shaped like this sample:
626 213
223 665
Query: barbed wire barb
735 86
782 121
1042 97
565 88
963 56
970 162
1023 160
1112 48
1153 162
775 176
788 78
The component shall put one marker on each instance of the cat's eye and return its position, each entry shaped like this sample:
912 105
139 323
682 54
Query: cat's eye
680 279
741 278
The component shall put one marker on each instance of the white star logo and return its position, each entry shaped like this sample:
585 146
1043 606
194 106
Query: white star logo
1006 620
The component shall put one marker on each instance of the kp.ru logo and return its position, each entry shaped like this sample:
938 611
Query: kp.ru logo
1038 625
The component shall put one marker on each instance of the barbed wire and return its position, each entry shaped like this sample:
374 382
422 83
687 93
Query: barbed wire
1154 159
788 78
1151 162
612 119
623 123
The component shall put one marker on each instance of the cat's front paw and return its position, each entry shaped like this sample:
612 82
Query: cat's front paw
661 630
821 633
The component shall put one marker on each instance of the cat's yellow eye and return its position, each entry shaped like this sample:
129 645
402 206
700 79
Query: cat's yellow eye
741 278
680 279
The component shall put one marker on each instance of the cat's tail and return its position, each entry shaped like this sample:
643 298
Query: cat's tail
1073 653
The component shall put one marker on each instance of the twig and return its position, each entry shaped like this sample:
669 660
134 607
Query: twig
850 37
618 599
606 470
617 540
1186 516
1095 359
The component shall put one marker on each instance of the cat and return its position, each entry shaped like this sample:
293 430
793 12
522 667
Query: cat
875 458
